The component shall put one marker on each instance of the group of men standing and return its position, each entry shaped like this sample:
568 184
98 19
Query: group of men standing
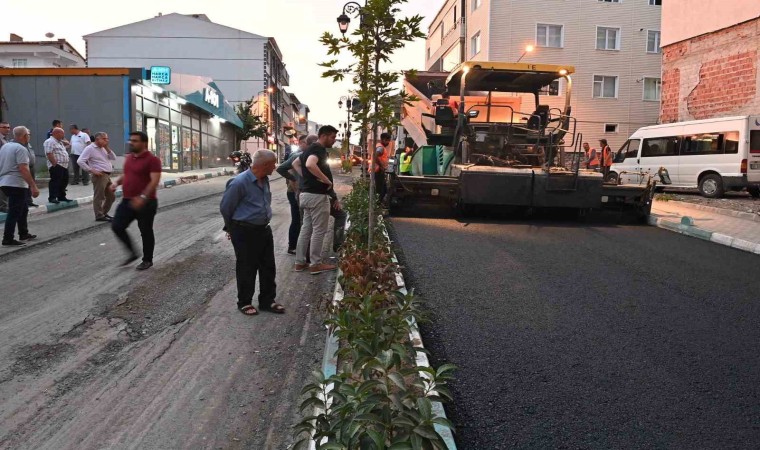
599 160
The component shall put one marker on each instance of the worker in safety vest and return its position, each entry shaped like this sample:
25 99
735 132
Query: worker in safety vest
405 167
382 155
607 158
592 158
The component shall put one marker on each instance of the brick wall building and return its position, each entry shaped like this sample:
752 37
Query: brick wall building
710 72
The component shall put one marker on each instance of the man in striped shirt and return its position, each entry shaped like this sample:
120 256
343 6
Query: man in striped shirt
96 158
58 166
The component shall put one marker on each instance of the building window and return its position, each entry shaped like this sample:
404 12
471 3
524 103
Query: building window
655 2
652 89
552 89
475 4
607 38
610 128
19 63
428 53
605 86
612 1
653 41
549 35
475 44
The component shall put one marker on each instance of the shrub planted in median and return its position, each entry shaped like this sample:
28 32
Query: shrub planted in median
379 398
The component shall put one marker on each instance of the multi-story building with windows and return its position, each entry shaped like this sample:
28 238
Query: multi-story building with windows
16 53
613 44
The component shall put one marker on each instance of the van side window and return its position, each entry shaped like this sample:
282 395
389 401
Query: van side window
703 144
732 143
662 146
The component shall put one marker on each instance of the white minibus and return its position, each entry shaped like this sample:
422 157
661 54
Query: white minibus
714 155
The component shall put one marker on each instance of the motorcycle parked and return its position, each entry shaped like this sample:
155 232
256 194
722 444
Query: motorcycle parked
241 160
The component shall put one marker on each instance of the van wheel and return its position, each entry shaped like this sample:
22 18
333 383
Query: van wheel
711 186
612 178
754 191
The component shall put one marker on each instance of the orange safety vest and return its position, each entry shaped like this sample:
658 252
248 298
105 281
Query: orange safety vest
607 156
382 160
593 157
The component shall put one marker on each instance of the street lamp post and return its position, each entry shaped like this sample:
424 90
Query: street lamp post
343 21
528 49
349 109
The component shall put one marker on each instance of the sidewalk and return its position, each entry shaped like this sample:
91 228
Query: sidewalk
729 228
82 195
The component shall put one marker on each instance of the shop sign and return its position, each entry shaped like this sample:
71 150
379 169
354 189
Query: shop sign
211 97
160 75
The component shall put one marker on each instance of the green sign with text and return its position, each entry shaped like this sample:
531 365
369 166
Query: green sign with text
160 75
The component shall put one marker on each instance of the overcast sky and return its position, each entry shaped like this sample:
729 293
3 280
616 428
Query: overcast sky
296 24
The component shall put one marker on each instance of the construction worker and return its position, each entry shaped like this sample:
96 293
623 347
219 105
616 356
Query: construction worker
383 151
592 158
453 104
607 158
406 161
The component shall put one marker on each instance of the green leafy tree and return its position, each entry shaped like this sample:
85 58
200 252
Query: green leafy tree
371 45
253 125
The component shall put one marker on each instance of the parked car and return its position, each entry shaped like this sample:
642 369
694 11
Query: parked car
713 155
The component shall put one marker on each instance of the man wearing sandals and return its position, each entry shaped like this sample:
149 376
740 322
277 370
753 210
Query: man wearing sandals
247 209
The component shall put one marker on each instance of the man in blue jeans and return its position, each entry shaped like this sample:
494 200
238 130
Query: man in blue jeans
293 178
15 181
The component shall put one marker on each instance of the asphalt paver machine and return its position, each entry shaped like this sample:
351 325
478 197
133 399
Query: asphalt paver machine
502 147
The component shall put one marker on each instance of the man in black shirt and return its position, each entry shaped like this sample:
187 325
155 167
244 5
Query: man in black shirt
316 189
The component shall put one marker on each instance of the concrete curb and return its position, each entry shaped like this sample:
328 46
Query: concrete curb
686 227
713 209
75 203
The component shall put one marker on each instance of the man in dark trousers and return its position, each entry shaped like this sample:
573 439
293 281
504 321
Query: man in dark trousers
247 209
142 172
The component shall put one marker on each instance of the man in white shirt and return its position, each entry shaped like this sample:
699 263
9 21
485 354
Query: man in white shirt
79 140
5 137
96 159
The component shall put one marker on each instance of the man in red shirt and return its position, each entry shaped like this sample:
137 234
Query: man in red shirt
142 172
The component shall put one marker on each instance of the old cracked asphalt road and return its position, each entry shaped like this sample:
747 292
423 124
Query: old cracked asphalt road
591 335
96 356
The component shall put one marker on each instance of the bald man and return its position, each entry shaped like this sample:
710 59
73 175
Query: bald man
58 166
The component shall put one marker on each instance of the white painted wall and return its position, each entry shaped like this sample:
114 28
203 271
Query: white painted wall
233 58
685 19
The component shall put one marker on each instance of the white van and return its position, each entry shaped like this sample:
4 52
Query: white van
714 155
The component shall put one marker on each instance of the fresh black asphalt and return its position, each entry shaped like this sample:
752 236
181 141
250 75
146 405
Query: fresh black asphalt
589 335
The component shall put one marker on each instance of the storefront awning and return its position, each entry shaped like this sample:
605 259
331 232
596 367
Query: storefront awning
205 94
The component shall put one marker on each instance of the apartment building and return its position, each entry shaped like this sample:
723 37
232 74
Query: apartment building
710 59
613 44
17 53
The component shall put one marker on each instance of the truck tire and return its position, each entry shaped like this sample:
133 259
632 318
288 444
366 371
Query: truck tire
754 191
711 186
612 178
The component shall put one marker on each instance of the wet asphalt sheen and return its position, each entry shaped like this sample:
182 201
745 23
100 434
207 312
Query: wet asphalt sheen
589 335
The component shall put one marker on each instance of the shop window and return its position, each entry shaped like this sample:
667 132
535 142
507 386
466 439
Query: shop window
163 112
138 121
186 120
138 103
150 108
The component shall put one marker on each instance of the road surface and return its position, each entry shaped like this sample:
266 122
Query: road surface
590 335
97 356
